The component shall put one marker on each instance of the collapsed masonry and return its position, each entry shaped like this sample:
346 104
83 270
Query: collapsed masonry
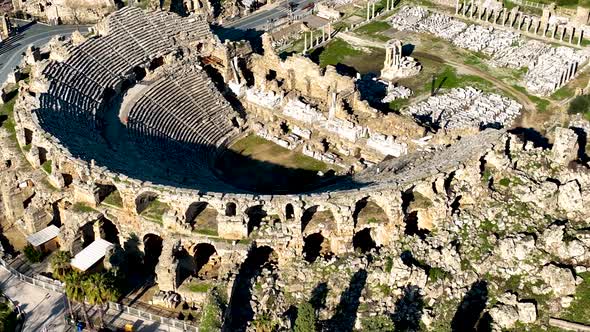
549 67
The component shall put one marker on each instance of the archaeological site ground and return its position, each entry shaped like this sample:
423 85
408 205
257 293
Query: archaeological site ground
339 165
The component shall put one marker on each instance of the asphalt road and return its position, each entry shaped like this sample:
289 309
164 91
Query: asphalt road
11 50
258 20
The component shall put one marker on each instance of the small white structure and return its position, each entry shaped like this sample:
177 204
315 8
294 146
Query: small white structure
45 239
91 255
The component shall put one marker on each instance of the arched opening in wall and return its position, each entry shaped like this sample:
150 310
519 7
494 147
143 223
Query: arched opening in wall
108 230
240 309
155 63
363 241
42 155
106 193
314 220
255 215
143 201
289 212
28 136
367 212
411 225
152 248
84 237
314 246
206 261
139 73
68 179
230 209
202 217
56 220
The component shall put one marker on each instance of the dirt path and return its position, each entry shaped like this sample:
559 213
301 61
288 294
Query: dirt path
470 70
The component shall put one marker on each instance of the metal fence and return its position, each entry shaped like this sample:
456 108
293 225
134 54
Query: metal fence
118 308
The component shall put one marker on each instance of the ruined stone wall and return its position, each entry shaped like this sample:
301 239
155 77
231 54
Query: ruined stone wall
67 11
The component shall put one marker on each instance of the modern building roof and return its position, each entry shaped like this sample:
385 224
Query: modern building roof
91 254
46 234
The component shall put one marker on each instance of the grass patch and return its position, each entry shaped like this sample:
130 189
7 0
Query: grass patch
542 104
82 208
114 199
336 51
211 318
373 27
155 211
449 79
206 231
47 166
579 311
199 287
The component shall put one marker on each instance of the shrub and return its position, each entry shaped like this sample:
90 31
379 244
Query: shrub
378 323
580 105
33 255
305 321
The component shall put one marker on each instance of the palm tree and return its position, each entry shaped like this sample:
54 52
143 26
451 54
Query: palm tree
74 282
60 265
101 288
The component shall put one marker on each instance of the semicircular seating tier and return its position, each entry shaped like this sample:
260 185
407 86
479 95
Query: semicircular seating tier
183 108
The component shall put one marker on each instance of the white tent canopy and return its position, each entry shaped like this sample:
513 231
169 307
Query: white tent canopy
91 254
46 234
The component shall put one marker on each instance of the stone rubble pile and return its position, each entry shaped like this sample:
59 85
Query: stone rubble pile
549 67
466 108
477 38
396 92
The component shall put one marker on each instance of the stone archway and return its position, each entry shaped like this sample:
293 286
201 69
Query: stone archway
152 248
231 209
367 213
108 230
207 261
314 246
108 194
203 218
255 216
363 241
144 200
315 219
289 212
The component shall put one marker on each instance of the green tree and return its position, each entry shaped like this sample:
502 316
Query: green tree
60 264
100 288
74 287
379 323
60 267
8 318
33 255
306 321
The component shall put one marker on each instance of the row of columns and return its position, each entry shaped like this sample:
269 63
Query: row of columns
518 21
314 42
567 74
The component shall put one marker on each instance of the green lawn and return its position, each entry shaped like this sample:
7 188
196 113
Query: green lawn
336 51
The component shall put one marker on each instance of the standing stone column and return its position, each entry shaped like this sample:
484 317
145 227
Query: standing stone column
304 42
368 10
373 10
572 32
580 37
